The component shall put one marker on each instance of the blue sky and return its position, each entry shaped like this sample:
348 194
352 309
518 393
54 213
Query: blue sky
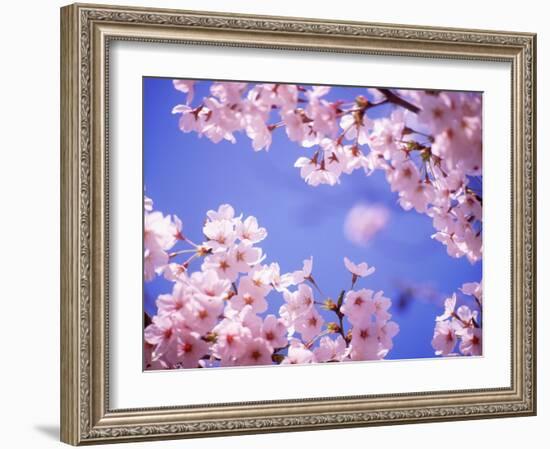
187 175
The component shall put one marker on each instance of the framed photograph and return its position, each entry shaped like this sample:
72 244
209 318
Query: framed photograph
280 224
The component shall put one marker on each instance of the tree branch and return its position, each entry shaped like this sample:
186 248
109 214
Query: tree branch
396 99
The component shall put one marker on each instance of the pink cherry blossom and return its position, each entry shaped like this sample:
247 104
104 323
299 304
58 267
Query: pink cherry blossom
331 349
386 137
358 306
213 316
249 230
430 154
186 86
439 136
274 331
356 127
221 234
322 175
190 348
418 197
249 294
201 314
257 352
259 133
174 302
364 221
224 212
404 176
304 274
223 264
381 306
154 261
364 342
297 354
159 235
474 289
306 166
244 256
309 324
444 339
386 331
297 303
353 158
462 324
362 269
281 282
470 341
323 114
231 340
450 304
248 317
228 92
161 334
209 286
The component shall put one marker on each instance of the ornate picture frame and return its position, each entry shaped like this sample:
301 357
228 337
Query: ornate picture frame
87 31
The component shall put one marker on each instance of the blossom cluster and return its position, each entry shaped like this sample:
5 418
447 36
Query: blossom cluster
429 147
217 313
460 325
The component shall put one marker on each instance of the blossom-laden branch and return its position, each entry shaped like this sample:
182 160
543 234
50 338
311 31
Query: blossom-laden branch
429 147
460 325
217 314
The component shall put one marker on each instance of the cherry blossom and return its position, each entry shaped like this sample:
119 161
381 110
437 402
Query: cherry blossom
364 221
429 146
360 270
221 234
300 276
190 348
358 306
309 324
257 352
473 289
331 349
274 331
224 212
462 324
249 230
231 341
159 235
218 310
450 304
444 339
249 294
470 341
187 87
429 150
297 354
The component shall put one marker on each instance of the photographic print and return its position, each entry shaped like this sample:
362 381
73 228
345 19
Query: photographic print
297 224
295 198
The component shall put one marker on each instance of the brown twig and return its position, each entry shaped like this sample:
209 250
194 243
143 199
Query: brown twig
396 99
